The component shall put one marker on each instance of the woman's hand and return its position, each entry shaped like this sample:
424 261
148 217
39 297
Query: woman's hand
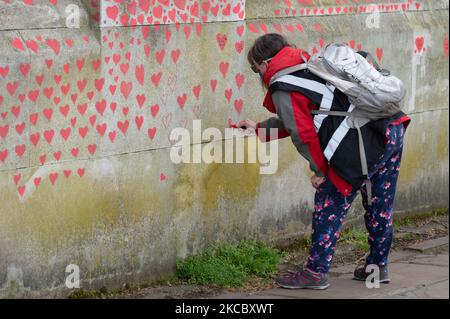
247 124
316 181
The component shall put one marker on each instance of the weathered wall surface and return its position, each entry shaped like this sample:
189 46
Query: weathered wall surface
86 113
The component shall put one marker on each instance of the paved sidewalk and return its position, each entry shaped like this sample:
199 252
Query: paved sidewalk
413 274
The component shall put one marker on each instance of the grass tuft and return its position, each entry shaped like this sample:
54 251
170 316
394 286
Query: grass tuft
355 236
229 265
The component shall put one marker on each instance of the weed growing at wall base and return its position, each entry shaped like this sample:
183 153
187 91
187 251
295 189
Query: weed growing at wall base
229 265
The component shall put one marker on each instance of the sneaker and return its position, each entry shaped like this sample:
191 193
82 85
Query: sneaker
304 279
361 274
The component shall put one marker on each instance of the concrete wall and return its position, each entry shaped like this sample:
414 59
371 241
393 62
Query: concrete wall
85 118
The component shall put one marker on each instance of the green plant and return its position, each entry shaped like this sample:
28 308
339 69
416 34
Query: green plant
355 236
229 265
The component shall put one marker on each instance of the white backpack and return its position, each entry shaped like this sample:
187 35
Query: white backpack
374 92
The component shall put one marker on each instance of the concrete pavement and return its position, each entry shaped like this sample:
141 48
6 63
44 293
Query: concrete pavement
414 275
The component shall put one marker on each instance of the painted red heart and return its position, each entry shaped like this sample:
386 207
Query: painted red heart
379 53
48 135
92 148
181 99
80 172
20 149
420 43
53 177
83 131
123 126
238 104
154 109
223 67
221 40
139 121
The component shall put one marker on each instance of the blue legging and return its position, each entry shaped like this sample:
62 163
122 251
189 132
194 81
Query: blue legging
331 208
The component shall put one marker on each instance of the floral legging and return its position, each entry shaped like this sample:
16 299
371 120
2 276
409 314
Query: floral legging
331 208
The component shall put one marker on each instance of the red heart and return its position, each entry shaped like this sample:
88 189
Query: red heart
156 78
17 43
125 88
112 12
4 71
180 4
82 108
92 148
123 126
3 155
101 128
83 131
17 178
420 43
181 99
379 53
75 151
65 132
57 155
15 110
223 67
53 177
238 104
124 68
32 45
12 87
175 55
24 68
196 91
48 113
228 94
20 149
4 131
160 56
139 120
80 171
240 30
92 119
213 85
48 135
221 40
100 106
152 132
19 128
140 74
21 190
112 136
99 83
36 181
154 110
34 118
239 80
54 45
239 46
